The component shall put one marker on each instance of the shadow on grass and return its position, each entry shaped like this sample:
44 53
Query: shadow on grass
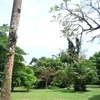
67 91
95 97
64 90
19 91
93 86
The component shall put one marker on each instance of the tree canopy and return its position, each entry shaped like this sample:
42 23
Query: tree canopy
80 18
22 74
96 60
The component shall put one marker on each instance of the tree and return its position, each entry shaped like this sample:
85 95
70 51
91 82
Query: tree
19 66
77 22
22 74
96 60
44 68
6 84
46 75
62 79
73 50
80 18
83 73
77 74
17 75
64 57
27 77
18 61
20 71
47 62
3 44
72 53
18 55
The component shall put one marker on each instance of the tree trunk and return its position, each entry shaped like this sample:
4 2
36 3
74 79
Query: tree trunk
79 86
8 68
46 84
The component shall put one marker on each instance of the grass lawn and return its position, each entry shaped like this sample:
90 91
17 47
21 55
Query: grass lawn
56 94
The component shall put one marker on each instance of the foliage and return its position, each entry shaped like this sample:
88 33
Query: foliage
62 79
3 44
79 18
20 70
74 50
23 76
77 74
28 78
46 75
44 69
96 60
4 28
77 21
17 74
19 67
18 54
72 53
64 57
83 73
47 62
1 73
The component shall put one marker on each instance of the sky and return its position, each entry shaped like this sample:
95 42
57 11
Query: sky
37 35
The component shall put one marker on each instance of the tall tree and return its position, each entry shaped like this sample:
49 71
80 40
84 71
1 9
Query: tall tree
7 78
80 18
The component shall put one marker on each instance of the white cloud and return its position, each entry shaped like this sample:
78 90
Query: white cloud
40 37
47 35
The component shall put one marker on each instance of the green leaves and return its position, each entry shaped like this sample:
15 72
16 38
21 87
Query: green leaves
28 77
3 38
76 17
96 60
23 76
3 44
77 74
4 28
20 70
19 53
54 8
47 62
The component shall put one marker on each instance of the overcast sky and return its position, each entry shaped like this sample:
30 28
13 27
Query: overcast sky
37 35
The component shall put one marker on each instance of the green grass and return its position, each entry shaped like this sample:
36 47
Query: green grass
56 94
